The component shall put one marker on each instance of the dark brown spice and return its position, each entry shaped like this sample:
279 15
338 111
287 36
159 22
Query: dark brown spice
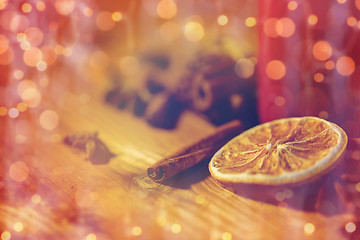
194 153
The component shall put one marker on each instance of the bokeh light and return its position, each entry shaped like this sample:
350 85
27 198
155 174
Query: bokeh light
351 21
194 31
40 6
176 228
34 36
136 231
329 65
226 236
104 21
292 5
312 19
26 7
322 50
244 68
222 20
13 112
18 171
49 119
3 4
64 7
6 235
18 227
117 16
318 77
345 66
309 228
32 56
275 69
88 12
166 9
285 27
350 227
250 21
91 236
270 27
3 111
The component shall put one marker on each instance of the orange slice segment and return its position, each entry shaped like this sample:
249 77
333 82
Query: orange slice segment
281 152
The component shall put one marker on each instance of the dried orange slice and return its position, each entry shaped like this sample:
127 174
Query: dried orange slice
281 152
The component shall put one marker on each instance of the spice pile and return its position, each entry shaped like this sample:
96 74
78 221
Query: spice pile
210 86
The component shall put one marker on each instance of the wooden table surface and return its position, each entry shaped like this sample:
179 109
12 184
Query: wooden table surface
50 191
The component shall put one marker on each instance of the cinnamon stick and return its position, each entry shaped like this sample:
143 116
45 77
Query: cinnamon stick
194 153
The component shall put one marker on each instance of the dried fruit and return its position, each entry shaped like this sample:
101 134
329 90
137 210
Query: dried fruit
281 152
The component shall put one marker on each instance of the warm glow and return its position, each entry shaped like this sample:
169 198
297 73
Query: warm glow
341 1
323 114
176 228
18 227
88 12
351 21
67 52
13 112
169 31
41 66
322 50
166 9
48 55
7 57
312 19
357 4
244 68
18 74
136 231
285 27
117 16
3 111
279 101
64 7
292 5
250 21
26 7
350 227
22 107
4 44
222 20
318 77
275 69
99 60
40 6
18 23
5 235
3 4
329 65
194 31
32 56
270 27
91 236
49 119
309 228
104 21
357 187
36 199
345 66
129 65
18 171
226 236
34 36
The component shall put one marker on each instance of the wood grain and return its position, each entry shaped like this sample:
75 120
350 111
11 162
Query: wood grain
116 200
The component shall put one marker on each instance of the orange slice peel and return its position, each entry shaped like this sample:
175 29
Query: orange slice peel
288 151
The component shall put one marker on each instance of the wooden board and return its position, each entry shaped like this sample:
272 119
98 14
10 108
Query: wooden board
64 196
